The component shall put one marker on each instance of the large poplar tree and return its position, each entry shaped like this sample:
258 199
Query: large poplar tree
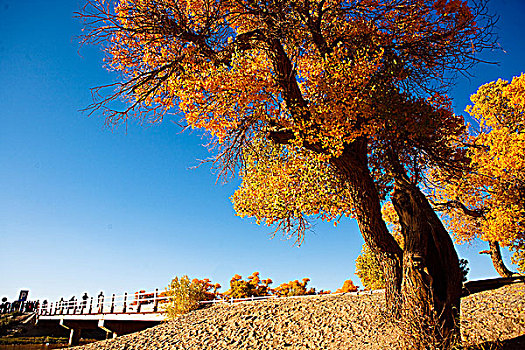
358 84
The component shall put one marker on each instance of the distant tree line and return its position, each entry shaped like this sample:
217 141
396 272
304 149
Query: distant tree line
185 294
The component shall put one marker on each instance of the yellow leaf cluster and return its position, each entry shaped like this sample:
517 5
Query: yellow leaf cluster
368 266
284 185
185 295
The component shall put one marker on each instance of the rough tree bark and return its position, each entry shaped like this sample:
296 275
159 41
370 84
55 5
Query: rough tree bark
431 286
497 260
353 167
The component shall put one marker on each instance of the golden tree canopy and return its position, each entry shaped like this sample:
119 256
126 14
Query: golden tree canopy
314 73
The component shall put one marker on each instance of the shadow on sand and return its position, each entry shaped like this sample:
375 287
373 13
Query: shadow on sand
517 343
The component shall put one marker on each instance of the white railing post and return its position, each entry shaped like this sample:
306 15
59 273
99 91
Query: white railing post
112 309
125 299
100 302
156 300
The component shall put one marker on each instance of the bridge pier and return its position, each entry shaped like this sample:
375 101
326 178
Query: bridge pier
108 331
75 329
124 327
115 324
74 336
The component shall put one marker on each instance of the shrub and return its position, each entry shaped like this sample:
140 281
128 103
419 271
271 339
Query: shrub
321 292
185 295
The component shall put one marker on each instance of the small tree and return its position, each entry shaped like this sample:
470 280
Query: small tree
185 295
487 201
252 287
368 268
348 286
294 288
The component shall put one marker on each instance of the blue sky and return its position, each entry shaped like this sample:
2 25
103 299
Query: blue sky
84 208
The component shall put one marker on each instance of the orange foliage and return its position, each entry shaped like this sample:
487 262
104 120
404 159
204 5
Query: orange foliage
282 186
323 75
348 286
253 286
322 292
330 86
210 290
392 220
140 295
294 288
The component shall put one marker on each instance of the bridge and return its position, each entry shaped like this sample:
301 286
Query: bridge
116 315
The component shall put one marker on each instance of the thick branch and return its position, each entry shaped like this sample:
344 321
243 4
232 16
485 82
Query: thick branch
497 259
456 204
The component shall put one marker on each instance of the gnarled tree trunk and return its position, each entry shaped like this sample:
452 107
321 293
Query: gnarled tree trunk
424 278
431 286
353 167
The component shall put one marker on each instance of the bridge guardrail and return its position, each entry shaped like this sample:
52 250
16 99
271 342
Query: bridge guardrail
141 302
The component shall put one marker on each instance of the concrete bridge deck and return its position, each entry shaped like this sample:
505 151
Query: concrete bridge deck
117 315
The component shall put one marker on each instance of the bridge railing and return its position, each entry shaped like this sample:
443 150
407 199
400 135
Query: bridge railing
140 302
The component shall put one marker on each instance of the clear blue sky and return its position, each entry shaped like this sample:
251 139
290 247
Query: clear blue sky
84 208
